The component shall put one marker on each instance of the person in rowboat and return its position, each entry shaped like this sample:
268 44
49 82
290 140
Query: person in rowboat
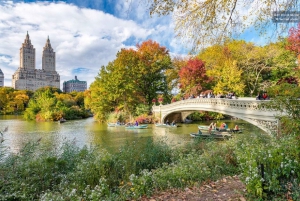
173 123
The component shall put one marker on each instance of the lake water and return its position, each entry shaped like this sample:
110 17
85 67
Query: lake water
89 132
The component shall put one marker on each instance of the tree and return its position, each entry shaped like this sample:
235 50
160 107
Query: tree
222 66
51 104
153 62
285 99
262 66
201 23
134 77
228 78
193 77
172 74
294 40
13 101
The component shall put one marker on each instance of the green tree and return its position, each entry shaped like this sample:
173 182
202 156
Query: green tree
51 104
285 100
172 74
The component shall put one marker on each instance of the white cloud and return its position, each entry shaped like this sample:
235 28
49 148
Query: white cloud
81 37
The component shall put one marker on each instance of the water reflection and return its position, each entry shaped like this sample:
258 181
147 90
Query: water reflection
89 132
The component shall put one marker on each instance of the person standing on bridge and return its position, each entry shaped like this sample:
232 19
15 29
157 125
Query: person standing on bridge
265 96
258 97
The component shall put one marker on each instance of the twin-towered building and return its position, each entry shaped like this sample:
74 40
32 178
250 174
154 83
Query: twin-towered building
27 76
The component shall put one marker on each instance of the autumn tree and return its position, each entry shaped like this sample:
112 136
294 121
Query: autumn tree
203 23
13 101
193 78
294 40
293 44
172 74
134 77
153 62
222 66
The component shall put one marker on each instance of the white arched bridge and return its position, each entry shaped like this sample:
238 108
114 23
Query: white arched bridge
248 109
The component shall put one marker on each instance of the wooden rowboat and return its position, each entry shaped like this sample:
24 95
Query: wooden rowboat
114 124
137 127
166 125
211 136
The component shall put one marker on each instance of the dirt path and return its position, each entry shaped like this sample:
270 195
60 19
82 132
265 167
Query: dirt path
226 189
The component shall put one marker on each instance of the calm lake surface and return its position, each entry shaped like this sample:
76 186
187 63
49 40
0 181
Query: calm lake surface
89 132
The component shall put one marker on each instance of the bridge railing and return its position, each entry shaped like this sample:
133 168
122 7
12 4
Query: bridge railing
241 103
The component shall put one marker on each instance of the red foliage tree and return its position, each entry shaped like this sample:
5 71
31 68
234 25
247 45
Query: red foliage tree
294 39
193 78
288 80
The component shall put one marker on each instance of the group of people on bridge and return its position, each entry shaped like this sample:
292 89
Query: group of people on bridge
210 94
263 96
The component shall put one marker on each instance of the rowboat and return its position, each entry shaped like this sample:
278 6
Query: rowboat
222 130
229 130
204 127
188 121
114 124
166 125
62 121
137 127
211 136
236 131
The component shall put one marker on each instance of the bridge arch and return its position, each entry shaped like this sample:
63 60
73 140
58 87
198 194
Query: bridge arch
244 108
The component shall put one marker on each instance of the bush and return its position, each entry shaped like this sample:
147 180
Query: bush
270 166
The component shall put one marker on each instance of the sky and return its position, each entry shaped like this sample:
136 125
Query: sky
85 34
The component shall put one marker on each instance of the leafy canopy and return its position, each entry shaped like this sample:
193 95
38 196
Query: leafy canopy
134 77
208 22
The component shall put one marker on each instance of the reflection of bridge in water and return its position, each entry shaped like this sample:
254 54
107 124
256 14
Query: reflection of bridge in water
247 109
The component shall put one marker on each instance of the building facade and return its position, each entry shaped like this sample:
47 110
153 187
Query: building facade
27 77
1 78
74 85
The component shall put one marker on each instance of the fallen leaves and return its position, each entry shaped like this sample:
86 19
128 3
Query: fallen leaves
228 188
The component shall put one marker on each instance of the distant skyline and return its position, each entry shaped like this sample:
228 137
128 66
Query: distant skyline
85 34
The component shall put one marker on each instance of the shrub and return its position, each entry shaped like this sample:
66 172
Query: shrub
270 166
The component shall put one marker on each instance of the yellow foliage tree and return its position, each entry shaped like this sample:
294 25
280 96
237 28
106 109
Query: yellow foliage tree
228 78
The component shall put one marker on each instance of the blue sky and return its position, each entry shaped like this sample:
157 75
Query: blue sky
85 34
